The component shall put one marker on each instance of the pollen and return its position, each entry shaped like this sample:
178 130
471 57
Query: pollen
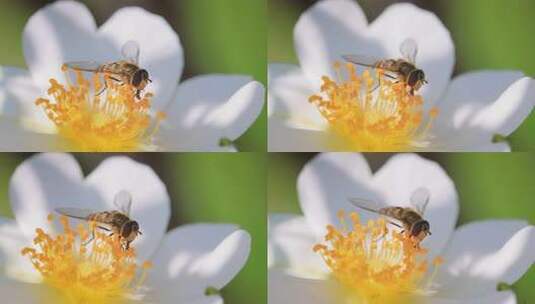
369 113
100 114
374 264
83 265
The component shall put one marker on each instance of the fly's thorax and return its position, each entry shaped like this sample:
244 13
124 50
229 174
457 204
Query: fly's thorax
407 216
395 212
406 68
113 218
389 64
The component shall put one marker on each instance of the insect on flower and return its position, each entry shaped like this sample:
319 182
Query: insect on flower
409 219
117 222
404 69
124 71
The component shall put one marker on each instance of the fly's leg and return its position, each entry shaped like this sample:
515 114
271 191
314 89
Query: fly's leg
379 81
106 229
90 239
105 87
106 79
119 81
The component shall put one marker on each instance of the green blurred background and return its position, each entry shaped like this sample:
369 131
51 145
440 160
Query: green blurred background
219 36
490 186
488 34
204 187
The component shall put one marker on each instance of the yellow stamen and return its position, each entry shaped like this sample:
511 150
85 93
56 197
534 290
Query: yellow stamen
99 271
373 264
114 120
369 115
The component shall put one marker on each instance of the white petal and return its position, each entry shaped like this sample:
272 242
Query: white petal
59 32
234 117
324 32
42 183
290 243
284 138
509 111
467 97
435 48
470 144
194 257
161 52
13 291
203 300
13 264
17 99
327 182
482 254
288 94
404 173
284 288
494 297
150 200
211 107
168 295
294 125
17 138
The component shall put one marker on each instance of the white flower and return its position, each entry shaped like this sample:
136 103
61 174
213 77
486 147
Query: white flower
476 257
190 263
204 113
468 113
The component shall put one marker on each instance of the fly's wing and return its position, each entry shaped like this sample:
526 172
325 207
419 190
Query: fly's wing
364 60
419 199
82 214
374 207
123 202
86 66
130 52
365 204
409 50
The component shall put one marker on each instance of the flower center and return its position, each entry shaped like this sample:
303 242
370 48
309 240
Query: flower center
100 114
82 270
375 266
370 115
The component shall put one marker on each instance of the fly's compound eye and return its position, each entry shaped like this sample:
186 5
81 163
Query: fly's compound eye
139 76
126 230
413 78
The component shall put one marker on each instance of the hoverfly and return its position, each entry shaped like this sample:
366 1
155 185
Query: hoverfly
405 69
410 219
117 222
124 71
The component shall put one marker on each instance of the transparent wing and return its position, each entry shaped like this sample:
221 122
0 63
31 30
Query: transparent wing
130 51
365 204
409 50
374 207
365 60
123 202
78 213
87 66
419 199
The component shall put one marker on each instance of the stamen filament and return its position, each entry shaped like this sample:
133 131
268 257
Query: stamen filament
375 264
99 271
370 116
101 114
